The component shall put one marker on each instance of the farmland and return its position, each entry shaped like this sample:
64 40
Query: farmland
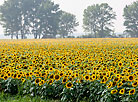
94 70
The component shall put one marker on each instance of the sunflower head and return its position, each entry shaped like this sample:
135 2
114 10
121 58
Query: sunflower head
41 82
69 85
122 91
37 80
19 76
57 77
87 77
23 80
51 76
81 80
64 80
132 91
130 78
5 77
120 64
50 81
114 91
134 84
119 84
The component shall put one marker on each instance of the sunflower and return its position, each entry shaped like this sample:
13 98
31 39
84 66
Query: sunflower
129 71
118 75
130 78
104 74
69 85
51 76
56 77
51 69
120 64
41 82
123 81
64 80
132 91
131 63
5 77
114 83
134 84
91 79
61 74
44 74
37 80
31 73
23 80
19 76
87 77
50 81
70 78
109 85
14 76
119 84
93 76
27 75
122 91
103 81
9 74
114 91
76 74
81 80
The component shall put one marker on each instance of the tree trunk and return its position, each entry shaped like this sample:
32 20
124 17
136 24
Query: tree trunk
11 36
35 36
17 36
39 36
102 32
22 37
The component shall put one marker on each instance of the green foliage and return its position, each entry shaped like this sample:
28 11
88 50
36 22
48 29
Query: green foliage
98 19
86 91
37 17
10 13
67 24
131 19
17 98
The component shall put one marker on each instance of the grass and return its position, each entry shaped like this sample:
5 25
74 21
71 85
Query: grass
17 98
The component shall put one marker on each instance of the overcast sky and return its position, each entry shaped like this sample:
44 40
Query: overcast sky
77 7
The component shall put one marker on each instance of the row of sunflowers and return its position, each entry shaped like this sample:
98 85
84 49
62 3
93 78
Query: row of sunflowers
94 70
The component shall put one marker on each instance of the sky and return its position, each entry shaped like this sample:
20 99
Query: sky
77 7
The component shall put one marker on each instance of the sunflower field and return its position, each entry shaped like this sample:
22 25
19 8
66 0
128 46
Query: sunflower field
71 70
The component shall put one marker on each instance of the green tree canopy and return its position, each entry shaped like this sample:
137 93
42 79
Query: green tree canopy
67 24
10 17
131 19
37 17
98 19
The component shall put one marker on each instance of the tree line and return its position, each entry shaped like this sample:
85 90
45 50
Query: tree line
44 19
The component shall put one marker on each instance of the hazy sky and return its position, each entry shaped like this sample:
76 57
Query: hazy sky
77 7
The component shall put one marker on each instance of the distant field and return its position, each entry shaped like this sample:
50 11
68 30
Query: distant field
71 69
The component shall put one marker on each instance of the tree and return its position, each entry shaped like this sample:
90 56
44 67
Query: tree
131 19
37 17
98 20
67 24
49 16
9 17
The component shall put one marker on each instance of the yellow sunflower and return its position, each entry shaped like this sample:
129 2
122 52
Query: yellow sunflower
132 91
69 85
122 91
56 77
114 91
